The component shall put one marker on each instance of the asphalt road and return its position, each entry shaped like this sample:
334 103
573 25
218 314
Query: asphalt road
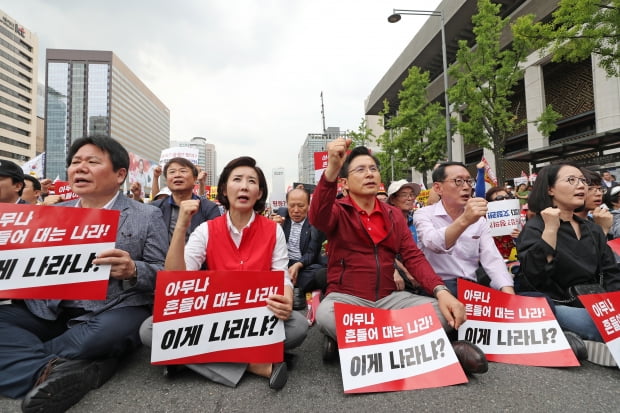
314 386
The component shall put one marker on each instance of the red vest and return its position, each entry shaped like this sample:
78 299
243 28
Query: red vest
254 253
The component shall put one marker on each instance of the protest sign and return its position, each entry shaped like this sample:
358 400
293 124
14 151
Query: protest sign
179 152
503 216
216 316
320 163
391 350
604 310
513 329
35 261
63 188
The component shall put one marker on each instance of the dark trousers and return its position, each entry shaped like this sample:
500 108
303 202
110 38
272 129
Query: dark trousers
28 343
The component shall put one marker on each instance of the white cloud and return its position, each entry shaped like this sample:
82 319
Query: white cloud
245 74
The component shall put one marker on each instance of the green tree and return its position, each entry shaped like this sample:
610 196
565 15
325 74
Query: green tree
363 136
485 77
416 135
578 29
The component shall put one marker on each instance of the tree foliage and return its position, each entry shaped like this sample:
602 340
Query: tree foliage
486 76
363 136
415 136
578 29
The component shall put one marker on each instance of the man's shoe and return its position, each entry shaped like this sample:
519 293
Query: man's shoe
577 345
299 300
330 349
470 356
279 376
598 353
62 383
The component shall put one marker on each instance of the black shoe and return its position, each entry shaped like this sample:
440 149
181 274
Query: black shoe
330 349
299 300
470 356
279 376
172 370
577 344
62 383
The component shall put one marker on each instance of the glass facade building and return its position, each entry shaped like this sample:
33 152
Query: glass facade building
94 93
18 91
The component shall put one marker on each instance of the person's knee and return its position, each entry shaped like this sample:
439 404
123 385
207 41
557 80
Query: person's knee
325 318
146 332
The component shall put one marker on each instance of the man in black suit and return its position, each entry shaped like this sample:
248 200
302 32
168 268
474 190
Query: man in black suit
304 244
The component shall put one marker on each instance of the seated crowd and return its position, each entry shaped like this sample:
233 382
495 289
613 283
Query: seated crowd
359 248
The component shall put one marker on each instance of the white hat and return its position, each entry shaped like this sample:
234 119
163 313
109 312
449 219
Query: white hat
398 185
165 191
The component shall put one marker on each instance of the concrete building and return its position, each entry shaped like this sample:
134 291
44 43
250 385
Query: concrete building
315 142
588 133
93 92
19 50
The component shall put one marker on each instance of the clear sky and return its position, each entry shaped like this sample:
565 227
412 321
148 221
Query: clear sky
246 75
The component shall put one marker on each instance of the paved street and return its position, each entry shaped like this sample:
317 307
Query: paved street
317 387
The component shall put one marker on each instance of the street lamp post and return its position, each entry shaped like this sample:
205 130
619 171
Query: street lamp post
395 17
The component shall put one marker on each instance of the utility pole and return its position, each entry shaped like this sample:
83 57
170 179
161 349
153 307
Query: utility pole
323 114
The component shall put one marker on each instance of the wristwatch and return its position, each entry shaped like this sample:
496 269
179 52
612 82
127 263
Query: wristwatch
440 288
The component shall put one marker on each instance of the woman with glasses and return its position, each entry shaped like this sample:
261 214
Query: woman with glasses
558 250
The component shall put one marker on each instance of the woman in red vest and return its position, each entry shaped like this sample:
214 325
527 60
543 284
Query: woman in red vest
241 239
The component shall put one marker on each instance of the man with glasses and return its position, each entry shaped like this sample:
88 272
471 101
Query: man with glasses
593 208
364 235
454 234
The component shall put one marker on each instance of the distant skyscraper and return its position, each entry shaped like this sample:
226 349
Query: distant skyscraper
277 196
19 50
206 156
93 93
315 142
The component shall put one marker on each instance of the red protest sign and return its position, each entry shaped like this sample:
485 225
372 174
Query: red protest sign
63 188
513 329
216 316
35 261
392 350
604 310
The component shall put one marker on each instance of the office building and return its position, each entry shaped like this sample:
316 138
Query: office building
19 50
94 93
315 142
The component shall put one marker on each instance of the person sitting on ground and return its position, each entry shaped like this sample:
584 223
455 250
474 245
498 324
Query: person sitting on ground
364 237
558 250
32 190
505 243
522 194
242 189
53 352
456 227
612 200
304 244
180 175
593 208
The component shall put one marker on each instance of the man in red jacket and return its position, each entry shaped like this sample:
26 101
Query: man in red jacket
364 237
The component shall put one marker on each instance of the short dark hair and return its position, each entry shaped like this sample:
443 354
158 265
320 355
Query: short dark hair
439 173
181 161
539 198
117 152
300 188
355 152
492 191
259 206
36 184
593 178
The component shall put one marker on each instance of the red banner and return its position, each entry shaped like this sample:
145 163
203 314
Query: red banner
35 261
63 188
513 329
604 310
393 350
216 316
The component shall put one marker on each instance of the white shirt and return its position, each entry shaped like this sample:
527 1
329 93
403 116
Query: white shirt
196 252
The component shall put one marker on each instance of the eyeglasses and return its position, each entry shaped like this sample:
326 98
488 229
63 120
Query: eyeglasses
601 189
406 195
573 180
360 170
501 198
460 182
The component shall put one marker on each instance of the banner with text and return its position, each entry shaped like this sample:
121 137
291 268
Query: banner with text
63 188
179 152
320 163
216 316
603 308
513 329
392 350
35 261
503 216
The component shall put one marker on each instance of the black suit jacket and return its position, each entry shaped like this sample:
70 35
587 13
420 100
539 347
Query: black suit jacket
310 239
208 210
